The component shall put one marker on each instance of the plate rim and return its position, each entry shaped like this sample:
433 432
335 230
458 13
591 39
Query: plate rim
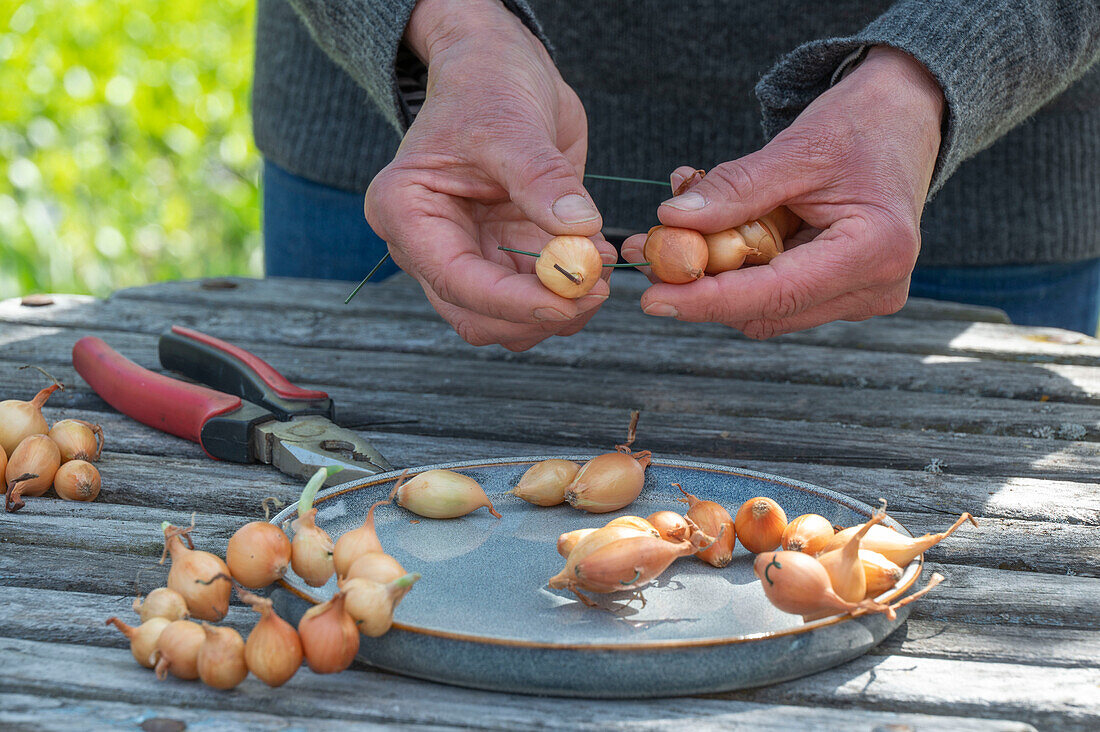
910 576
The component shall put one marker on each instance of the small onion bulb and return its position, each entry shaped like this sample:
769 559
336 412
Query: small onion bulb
676 255
357 542
77 480
545 482
77 439
442 494
161 603
143 639
177 650
608 482
578 256
273 651
200 577
258 554
330 638
19 419
760 523
808 533
220 661
33 465
714 521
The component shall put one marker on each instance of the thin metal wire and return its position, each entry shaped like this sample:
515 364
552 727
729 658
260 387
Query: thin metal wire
369 275
533 254
621 179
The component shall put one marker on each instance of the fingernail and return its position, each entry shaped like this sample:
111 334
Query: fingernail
550 314
677 180
574 209
661 310
590 301
689 201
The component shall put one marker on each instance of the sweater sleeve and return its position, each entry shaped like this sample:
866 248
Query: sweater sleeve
997 62
363 37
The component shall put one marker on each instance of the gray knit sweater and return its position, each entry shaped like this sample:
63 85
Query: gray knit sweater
670 83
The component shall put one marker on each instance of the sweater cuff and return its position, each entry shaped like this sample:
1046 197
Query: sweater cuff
363 37
971 53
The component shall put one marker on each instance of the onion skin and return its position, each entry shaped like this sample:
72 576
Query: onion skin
545 482
19 420
760 523
371 604
844 567
195 576
178 650
77 440
442 494
726 251
893 545
879 572
671 525
376 567
608 482
77 480
676 255
273 651
568 541
258 554
796 583
578 256
808 533
357 542
311 550
36 454
330 638
220 661
714 521
587 545
161 603
143 639
628 563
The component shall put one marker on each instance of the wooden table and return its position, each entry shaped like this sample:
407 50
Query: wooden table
938 409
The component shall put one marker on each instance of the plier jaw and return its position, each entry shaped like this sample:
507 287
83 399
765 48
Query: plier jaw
252 413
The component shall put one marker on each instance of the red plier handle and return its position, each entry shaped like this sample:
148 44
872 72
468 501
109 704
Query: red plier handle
220 421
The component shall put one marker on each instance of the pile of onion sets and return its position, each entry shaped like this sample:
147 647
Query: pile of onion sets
370 585
806 566
571 265
35 455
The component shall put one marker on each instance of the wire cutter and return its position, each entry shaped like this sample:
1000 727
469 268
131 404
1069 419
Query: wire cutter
252 413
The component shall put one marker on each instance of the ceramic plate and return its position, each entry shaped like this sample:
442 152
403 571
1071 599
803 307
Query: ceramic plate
482 616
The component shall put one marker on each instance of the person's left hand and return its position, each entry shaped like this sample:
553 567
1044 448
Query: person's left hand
855 166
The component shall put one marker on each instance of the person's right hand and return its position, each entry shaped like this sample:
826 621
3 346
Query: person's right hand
495 157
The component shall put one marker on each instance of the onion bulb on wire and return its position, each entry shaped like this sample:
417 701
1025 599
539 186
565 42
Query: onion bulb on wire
31 469
273 650
441 494
200 577
376 567
357 542
330 638
77 480
220 661
311 549
19 419
143 639
371 604
569 266
161 603
177 650
676 255
77 439
258 554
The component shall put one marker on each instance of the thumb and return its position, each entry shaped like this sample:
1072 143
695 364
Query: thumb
547 188
733 193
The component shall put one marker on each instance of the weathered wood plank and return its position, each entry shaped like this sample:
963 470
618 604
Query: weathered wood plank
33 668
329 296
32 614
710 436
304 326
418 374
1064 549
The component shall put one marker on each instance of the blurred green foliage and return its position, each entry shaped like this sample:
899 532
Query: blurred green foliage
126 152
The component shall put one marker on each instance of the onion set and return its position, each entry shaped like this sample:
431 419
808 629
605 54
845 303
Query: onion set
357 542
77 480
177 650
77 439
545 482
569 266
220 661
273 651
161 603
608 482
760 523
311 549
19 419
258 554
201 578
844 566
143 639
895 546
30 469
371 604
330 638
676 255
808 533
715 521
441 494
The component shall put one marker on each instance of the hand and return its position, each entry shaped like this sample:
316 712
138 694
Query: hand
495 157
855 166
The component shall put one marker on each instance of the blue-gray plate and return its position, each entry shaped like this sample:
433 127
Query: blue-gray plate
483 616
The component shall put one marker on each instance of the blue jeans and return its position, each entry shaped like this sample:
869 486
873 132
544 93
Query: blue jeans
312 230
